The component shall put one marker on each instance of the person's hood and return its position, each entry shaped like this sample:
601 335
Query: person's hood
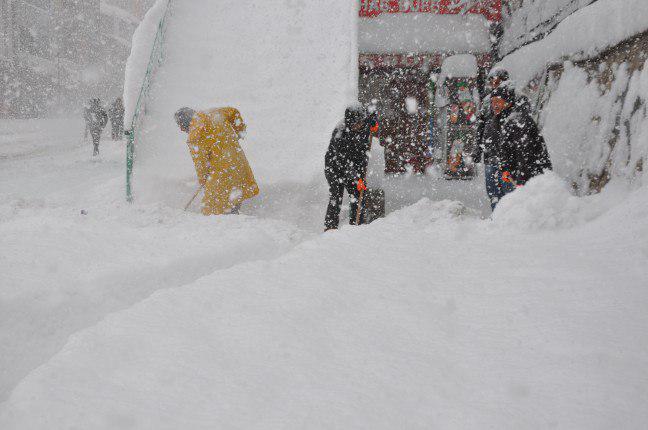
506 92
353 114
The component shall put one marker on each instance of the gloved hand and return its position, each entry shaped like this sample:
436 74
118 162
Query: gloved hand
361 185
506 177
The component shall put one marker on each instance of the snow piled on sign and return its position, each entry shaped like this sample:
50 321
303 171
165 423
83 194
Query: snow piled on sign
268 59
423 32
582 35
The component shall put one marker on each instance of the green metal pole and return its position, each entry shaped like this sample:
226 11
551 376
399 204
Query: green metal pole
130 153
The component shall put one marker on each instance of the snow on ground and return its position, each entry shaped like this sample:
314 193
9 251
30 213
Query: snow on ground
429 318
144 316
284 64
63 270
66 270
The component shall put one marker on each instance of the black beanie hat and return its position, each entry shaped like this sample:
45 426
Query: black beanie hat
184 116
354 113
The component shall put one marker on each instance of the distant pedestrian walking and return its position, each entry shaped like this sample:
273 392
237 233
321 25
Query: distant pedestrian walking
116 115
96 119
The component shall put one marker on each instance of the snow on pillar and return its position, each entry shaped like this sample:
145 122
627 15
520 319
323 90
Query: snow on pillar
352 84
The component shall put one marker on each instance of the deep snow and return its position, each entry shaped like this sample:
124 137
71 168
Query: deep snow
429 318
582 35
144 316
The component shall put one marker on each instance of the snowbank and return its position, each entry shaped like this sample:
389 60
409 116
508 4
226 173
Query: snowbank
462 65
582 35
544 203
138 60
412 322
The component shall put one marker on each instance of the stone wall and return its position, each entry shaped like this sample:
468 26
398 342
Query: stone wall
594 115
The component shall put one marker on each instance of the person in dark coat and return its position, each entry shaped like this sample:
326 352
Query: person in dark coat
345 163
488 141
96 119
522 150
116 114
488 138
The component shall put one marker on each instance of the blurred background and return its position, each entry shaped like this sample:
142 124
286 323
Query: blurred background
56 54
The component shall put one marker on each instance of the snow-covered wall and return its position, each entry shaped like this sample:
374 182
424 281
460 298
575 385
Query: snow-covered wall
584 34
534 18
138 60
594 110
597 132
285 65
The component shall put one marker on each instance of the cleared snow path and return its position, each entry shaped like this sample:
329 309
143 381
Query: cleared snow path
430 318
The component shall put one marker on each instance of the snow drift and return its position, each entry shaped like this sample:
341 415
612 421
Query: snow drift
438 323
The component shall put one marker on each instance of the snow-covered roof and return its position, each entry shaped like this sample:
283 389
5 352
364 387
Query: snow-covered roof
460 65
536 17
582 35
423 32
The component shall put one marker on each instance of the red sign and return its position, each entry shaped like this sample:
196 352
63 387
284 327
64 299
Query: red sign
491 9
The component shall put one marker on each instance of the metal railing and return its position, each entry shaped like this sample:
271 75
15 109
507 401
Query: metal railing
132 133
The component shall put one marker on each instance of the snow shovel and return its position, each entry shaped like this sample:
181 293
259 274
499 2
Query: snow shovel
362 188
194 197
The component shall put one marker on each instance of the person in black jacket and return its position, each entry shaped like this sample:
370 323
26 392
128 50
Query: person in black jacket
96 119
522 150
488 141
488 137
345 163
116 115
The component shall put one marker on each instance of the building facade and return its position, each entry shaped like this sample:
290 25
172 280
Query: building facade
402 46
